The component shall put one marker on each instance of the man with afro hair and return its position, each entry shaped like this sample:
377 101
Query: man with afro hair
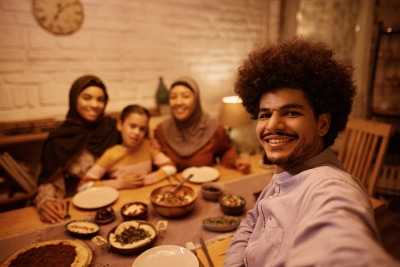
312 213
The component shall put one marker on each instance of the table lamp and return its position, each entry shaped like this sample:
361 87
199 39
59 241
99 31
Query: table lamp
233 114
238 124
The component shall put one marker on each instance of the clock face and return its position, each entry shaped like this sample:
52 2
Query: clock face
59 16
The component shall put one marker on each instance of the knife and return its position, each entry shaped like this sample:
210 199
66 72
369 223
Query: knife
204 248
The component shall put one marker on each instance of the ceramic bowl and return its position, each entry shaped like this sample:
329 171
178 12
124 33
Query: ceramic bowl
212 191
82 228
104 215
134 211
232 204
132 237
221 223
181 203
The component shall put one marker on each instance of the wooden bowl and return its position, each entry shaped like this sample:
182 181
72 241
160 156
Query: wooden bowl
181 204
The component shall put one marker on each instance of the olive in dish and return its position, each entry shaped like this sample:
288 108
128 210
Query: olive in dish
104 215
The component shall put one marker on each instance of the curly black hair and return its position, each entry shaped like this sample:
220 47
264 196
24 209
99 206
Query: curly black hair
304 64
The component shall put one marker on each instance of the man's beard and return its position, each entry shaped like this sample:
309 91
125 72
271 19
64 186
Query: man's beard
291 159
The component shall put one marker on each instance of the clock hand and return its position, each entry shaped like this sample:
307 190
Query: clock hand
60 9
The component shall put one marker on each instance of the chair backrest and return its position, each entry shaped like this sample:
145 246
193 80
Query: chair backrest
363 148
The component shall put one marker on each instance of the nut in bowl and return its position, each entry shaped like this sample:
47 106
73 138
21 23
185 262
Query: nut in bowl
212 191
134 211
175 204
232 204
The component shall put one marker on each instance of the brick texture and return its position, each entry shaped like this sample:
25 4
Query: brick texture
128 44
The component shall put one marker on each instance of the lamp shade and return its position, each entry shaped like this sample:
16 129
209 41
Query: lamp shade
233 113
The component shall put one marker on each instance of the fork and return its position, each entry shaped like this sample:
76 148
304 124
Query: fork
190 246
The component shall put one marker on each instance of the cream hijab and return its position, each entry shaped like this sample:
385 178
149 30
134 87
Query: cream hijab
187 137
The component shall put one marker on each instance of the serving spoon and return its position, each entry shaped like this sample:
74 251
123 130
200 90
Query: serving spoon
171 193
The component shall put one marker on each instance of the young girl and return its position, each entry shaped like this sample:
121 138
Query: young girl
133 158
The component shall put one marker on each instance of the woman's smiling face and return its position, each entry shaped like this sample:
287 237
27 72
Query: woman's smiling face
287 128
91 103
182 102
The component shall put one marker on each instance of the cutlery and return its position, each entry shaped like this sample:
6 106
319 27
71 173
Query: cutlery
205 250
67 215
171 193
181 183
190 246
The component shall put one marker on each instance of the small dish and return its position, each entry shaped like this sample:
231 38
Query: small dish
212 191
134 211
232 204
221 223
132 237
82 228
104 215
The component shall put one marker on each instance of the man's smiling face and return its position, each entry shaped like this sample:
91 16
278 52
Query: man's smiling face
287 128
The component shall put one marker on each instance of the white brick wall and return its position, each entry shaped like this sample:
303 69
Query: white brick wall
128 44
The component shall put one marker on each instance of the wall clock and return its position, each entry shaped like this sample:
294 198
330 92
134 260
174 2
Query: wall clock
60 17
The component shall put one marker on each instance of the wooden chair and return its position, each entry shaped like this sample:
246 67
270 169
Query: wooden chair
363 147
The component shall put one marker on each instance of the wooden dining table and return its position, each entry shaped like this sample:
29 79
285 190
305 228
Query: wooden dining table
24 223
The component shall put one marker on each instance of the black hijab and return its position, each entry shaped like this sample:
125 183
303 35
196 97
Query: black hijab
76 134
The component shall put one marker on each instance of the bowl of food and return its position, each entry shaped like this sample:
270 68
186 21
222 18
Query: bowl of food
132 237
104 215
212 191
134 211
232 204
173 204
82 228
221 223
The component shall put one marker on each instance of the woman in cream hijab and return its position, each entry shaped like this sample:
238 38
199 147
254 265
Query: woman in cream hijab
190 137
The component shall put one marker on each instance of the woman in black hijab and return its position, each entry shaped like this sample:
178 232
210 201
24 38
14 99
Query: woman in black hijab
73 147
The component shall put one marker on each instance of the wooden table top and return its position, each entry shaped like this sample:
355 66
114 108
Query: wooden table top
26 219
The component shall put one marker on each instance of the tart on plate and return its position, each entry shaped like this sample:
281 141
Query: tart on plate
60 253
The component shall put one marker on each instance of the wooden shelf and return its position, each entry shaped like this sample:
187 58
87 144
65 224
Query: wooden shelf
22 138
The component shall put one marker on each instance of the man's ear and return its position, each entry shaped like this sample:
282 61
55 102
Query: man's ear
324 121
